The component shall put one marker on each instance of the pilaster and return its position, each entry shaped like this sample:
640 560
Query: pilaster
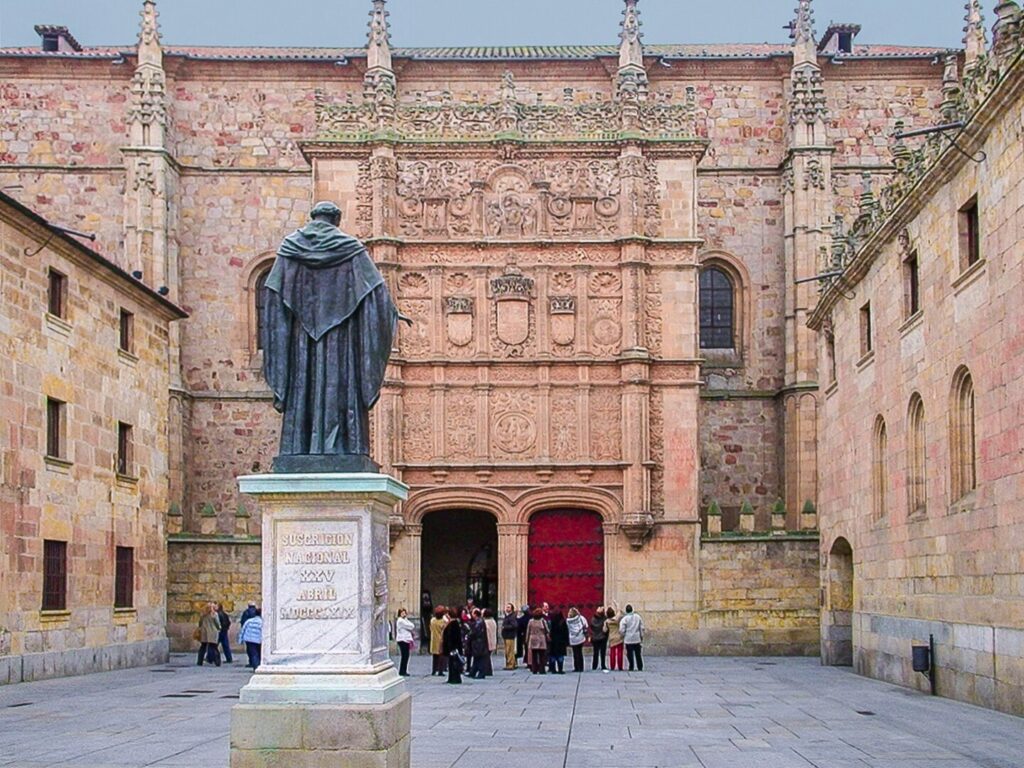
513 542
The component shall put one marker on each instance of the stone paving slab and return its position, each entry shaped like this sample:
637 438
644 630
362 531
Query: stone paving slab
679 713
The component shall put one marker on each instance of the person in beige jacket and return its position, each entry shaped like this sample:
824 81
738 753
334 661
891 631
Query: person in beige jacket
437 625
615 640
209 635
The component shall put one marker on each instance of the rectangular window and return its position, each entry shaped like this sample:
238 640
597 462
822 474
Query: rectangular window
124 449
911 286
57 294
865 329
970 234
124 577
55 411
55 575
126 331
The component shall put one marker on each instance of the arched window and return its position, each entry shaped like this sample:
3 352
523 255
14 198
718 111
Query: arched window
962 454
916 486
879 468
717 309
261 279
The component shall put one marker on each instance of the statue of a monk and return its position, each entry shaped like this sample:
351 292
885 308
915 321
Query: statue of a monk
328 325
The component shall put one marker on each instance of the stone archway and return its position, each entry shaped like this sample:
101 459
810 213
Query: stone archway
837 611
459 557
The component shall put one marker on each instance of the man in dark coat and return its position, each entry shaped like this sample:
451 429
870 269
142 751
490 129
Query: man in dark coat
328 326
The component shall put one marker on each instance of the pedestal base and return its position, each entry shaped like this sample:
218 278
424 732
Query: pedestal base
322 735
301 464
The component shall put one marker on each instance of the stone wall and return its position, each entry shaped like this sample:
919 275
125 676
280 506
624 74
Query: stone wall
201 569
78 497
759 596
951 566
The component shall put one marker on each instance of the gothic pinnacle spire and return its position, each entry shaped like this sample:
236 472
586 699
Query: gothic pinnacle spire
150 51
631 49
802 31
975 39
378 50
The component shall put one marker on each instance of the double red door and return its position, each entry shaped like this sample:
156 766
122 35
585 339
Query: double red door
566 560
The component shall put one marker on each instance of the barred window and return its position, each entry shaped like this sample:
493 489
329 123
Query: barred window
124 577
55 575
717 310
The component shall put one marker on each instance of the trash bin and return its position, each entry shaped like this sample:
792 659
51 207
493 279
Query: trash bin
922 658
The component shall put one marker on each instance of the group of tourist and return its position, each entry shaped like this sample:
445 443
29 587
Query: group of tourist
212 634
463 639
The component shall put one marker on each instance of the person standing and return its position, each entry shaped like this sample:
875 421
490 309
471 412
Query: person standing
577 637
632 627
209 636
426 614
247 614
598 638
451 646
510 635
537 642
611 626
252 635
559 643
522 649
404 636
478 646
437 652
491 628
222 637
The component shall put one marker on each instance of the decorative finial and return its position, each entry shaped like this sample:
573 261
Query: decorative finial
1006 31
631 49
805 50
975 39
378 50
149 35
950 106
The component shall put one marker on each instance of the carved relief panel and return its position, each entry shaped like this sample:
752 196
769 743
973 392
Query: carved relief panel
606 411
513 424
416 303
512 313
604 290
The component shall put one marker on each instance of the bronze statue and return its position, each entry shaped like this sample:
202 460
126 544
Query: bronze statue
328 325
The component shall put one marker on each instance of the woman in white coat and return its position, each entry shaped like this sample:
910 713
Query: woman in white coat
405 634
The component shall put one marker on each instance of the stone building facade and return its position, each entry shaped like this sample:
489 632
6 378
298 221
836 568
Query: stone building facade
84 457
922 488
571 424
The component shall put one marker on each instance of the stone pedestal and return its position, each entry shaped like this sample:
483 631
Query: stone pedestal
327 693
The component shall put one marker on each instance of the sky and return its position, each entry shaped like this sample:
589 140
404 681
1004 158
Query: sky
478 22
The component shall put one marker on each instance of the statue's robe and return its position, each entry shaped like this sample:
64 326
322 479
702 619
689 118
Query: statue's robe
328 325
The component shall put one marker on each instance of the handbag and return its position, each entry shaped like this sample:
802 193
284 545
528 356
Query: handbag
197 635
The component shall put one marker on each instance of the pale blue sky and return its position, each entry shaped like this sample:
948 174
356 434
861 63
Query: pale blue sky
477 22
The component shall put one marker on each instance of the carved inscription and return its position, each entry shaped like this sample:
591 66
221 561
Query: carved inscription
317 588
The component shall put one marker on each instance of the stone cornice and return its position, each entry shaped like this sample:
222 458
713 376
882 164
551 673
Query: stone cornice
971 138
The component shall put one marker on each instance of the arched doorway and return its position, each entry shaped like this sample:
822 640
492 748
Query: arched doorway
565 565
459 557
837 612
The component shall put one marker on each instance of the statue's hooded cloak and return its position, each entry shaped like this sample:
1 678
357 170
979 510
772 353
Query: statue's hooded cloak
328 325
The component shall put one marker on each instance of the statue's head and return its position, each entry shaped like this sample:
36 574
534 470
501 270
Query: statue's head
326 211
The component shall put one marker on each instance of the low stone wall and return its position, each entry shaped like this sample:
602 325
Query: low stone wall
224 569
759 595
982 665
81 661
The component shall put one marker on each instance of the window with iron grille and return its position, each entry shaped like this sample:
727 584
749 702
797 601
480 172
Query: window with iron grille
911 286
717 310
124 577
55 575
970 234
865 329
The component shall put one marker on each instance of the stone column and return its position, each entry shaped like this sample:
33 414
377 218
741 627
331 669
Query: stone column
513 551
327 693
611 539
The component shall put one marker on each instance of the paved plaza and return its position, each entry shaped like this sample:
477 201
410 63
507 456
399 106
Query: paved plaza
680 712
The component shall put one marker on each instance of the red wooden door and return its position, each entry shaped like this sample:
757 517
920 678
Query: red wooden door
566 560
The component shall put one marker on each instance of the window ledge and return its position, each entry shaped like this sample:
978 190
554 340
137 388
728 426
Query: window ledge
126 480
55 616
911 322
58 324
832 388
124 615
964 504
58 464
969 275
127 357
866 360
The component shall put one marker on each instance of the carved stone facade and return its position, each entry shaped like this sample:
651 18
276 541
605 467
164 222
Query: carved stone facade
543 215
